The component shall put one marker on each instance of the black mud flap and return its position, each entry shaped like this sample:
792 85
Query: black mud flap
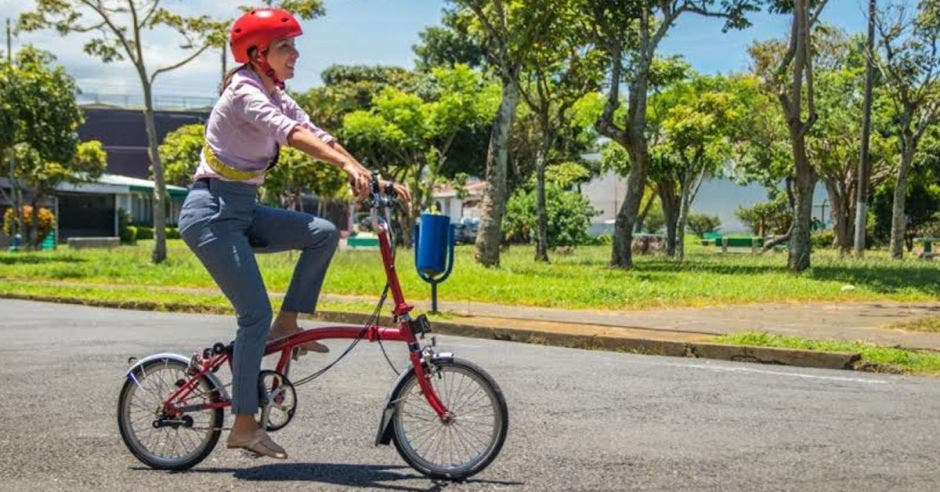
384 435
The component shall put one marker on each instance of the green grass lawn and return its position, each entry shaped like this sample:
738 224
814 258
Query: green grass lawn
928 324
581 279
883 358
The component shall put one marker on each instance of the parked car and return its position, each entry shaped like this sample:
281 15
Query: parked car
466 230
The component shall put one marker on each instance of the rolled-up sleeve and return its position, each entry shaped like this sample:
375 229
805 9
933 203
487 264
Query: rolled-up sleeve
261 112
294 110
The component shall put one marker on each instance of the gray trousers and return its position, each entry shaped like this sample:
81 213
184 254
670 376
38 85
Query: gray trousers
224 225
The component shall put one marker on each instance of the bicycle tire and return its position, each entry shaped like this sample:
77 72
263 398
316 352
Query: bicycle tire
409 392
144 451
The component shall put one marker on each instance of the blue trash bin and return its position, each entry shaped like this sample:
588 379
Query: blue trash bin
432 244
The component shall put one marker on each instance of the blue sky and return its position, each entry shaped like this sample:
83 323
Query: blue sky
382 32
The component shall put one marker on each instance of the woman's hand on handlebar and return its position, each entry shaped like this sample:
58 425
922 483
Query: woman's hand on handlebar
401 191
359 180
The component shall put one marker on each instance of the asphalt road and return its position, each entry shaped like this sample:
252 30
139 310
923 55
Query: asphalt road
579 420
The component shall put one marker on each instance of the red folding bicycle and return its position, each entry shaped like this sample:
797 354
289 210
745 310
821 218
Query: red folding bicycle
446 417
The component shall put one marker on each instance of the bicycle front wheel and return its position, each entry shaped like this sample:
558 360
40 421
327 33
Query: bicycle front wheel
462 446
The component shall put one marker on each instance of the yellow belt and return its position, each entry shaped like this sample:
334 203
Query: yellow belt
226 171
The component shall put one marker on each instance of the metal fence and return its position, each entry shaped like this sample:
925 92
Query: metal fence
165 102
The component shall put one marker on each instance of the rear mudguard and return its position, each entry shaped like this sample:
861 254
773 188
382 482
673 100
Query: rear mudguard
384 435
213 379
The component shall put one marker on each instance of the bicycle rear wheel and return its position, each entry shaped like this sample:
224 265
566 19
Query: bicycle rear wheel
466 444
158 441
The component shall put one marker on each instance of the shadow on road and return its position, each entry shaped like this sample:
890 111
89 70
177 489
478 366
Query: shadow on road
377 476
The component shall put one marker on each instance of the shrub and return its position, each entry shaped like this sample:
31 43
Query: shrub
569 215
767 218
699 224
124 228
921 206
46 221
145 232
822 239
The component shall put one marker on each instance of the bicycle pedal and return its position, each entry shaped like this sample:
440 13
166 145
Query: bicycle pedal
295 353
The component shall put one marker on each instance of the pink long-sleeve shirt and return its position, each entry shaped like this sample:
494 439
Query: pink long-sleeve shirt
247 122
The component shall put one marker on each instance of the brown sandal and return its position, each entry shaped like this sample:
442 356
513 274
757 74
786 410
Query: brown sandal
257 442
311 346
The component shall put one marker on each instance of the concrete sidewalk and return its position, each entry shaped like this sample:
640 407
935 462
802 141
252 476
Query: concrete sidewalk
866 321
680 332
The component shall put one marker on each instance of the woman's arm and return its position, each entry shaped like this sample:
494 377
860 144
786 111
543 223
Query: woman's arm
305 141
400 189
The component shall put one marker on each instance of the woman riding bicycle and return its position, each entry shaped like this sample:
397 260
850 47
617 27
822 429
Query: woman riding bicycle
223 224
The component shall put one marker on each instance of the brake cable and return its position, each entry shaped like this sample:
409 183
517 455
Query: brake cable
373 320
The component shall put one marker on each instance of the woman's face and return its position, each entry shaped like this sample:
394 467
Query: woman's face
282 55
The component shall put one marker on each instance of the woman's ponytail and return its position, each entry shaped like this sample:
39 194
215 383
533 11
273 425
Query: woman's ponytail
228 77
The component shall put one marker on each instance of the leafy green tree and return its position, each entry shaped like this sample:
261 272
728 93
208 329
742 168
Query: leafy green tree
773 217
38 118
796 93
504 32
120 31
569 212
180 153
908 60
629 32
86 165
412 138
295 173
923 201
448 45
699 125
699 224
833 144
559 68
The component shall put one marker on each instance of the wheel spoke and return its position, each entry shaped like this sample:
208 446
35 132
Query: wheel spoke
457 447
171 445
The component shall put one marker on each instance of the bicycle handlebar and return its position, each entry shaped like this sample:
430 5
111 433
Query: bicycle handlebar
378 197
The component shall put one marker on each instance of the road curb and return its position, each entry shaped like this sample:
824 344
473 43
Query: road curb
650 346
653 345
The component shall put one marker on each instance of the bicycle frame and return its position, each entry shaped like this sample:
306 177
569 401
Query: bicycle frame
285 346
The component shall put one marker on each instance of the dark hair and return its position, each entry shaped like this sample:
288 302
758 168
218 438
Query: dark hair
228 76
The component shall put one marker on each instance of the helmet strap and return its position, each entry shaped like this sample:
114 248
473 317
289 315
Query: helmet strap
266 69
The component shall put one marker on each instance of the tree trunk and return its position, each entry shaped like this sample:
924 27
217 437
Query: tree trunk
769 245
670 203
898 218
641 216
159 190
494 198
842 214
622 254
541 214
864 164
686 195
799 250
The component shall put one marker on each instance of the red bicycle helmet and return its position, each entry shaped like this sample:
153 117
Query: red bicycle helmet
258 27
